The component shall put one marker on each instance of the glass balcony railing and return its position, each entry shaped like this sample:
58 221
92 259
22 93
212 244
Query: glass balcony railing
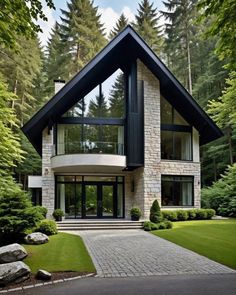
85 147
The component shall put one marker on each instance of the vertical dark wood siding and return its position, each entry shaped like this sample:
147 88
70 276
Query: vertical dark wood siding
135 120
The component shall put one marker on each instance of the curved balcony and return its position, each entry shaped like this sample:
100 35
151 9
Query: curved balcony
97 163
98 157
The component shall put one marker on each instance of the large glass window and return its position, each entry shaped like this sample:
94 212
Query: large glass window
177 190
176 135
104 101
169 115
96 123
84 138
176 145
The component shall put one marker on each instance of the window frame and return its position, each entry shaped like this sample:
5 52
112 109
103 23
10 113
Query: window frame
173 192
174 128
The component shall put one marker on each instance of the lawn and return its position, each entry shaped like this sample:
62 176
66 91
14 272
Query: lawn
64 252
215 239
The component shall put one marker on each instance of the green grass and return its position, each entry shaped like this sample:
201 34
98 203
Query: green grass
215 239
64 252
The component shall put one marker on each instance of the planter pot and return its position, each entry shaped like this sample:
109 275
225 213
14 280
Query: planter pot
134 218
59 218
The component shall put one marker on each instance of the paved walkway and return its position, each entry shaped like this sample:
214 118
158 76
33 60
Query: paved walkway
137 253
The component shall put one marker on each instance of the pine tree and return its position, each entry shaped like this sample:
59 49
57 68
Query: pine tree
116 98
119 26
180 31
82 34
56 62
98 107
21 70
146 24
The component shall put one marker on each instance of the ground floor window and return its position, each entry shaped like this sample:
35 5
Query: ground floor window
90 196
177 190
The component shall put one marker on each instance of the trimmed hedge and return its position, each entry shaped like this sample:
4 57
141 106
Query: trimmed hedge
148 225
193 214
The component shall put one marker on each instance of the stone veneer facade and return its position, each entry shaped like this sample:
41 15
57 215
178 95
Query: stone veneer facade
143 185
147 180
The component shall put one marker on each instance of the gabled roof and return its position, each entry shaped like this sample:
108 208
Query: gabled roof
127 46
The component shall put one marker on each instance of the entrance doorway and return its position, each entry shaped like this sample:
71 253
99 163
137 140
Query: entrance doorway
90 196
99 200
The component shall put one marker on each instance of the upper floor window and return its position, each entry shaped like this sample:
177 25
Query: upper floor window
169 115
106 100
176 134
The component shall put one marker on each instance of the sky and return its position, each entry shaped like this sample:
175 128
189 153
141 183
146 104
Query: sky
110 11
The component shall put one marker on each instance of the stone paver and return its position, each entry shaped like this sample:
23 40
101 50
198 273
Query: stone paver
137 253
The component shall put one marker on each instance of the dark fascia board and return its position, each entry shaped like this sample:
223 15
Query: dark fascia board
110 58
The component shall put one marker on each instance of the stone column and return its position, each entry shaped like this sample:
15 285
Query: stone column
48 182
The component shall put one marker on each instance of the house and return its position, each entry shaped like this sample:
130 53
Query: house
123 132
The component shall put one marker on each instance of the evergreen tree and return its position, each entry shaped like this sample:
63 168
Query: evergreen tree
155 212
98 107
116 98
223 14
82 34
119 26
56 63
10 151
223 111
146 24
21 70
180 31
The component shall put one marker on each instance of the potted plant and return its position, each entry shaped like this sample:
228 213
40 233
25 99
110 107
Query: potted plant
135 213
58 214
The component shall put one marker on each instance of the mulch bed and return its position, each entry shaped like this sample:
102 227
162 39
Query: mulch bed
32 280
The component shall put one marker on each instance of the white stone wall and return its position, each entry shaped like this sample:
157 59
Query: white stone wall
147 180
48 182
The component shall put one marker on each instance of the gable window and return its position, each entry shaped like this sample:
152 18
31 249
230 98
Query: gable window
176 190
106 100
95 124
176 134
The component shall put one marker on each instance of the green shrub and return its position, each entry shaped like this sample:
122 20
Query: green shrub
58 214
17 215
210 213
169 215
48 227
42 210
228 207
201 214
135 213
221 195
155 212
182 215
168 224
191 214
148 226
162 225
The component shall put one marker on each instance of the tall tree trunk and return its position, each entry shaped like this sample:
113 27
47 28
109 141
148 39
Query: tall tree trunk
189 70
15 92
22 108
229 135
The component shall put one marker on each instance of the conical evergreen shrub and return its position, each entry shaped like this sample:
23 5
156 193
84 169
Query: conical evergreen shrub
155 212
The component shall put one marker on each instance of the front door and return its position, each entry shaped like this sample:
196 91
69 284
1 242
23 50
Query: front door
99 200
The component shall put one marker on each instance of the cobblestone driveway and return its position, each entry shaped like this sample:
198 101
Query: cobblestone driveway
138 253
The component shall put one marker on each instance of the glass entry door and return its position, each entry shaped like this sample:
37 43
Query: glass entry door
99 200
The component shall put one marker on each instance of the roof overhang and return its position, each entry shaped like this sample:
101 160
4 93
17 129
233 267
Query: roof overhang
126 47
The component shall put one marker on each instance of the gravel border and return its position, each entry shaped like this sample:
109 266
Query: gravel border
46 283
